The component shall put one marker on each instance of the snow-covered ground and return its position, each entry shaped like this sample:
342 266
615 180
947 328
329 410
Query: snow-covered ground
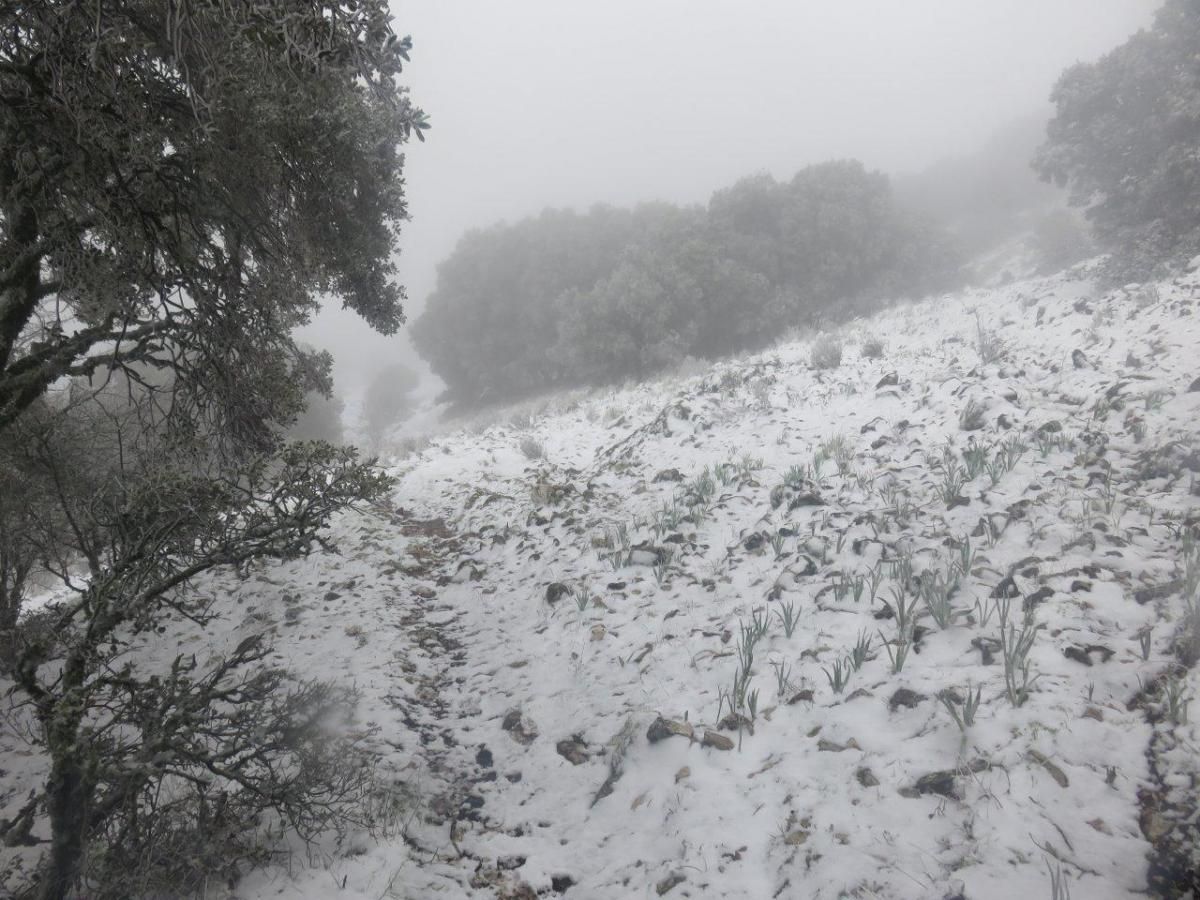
548 627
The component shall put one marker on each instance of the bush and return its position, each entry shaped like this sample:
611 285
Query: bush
872 348
827 352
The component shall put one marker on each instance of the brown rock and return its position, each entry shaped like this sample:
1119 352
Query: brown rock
661 729
717 741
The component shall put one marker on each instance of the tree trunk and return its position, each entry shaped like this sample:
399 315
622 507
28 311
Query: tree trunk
67 797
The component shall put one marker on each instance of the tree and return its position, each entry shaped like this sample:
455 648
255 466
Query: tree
388 399
138 748
178 182
1124 138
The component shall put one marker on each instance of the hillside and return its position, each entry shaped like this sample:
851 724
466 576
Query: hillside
722 635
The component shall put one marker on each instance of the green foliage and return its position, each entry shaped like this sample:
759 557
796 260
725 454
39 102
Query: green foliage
567 298
1123 141
178 190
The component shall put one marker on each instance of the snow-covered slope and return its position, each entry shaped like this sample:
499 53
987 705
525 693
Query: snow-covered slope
552 629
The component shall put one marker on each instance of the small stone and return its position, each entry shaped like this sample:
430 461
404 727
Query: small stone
717 741
560 883
805 696
1078 359
573 750
556 591
940 783
795 838
906 698
508 863
661 729
683 774
866 777
891 379
1093 712
668 475
1100 825
671 881
1040 595
598 632
521 728
1007 588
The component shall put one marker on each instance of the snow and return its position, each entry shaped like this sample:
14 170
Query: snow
436 610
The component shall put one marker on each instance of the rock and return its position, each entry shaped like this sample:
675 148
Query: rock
1038 596
755 542
828 746
520 727
573 750
661 729
468 570
866 777
668 475
649 555
906 698
1083 655
560 883
1158 592
941 783
1194 386
891 379
556 591
484 757
1093 712
508 863
1078 359
1052 427
795 838
683 774
673 880
805 696
1007 588
716 740
598 632
795 496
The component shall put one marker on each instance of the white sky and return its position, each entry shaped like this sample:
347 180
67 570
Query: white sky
539 103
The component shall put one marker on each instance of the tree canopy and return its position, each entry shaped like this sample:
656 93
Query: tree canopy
569 298
1124 140
181 179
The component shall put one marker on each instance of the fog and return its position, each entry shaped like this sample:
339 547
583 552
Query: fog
543 103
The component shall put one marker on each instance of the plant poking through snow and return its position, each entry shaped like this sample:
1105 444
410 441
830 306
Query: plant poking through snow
936 589
1015 645
788 617
1060 888
783 677
860 650
838 675
988 343
962 711
971 417
1175 700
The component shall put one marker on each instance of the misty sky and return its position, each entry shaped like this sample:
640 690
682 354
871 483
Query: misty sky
539 103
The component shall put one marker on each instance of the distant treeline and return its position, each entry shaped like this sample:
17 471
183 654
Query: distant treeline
569 298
